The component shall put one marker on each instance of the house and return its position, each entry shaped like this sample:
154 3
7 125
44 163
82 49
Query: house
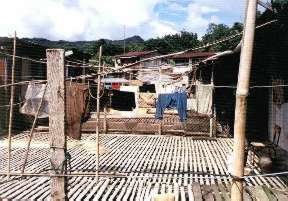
267 103
133 57
189 58
30 64
114 83
76 61
25 70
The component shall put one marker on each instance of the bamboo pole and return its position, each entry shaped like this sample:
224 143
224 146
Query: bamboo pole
83 72
105 120
160 125
212 120
32 131
11 107
164 197
98 113
241 102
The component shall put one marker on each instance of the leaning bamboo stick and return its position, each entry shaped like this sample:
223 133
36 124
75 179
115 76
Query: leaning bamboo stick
32 131
11 107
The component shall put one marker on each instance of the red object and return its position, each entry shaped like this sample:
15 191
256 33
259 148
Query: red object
116 86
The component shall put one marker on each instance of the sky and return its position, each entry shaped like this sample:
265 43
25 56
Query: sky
76 20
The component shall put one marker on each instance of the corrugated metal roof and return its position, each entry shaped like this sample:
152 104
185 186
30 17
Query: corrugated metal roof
134 54
113 80
188 55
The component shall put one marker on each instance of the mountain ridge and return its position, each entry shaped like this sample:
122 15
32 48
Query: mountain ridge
83 45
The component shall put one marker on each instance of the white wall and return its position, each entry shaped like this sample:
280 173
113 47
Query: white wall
278 114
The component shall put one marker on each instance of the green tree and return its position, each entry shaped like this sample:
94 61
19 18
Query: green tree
173 42
281 7
135 47
219 31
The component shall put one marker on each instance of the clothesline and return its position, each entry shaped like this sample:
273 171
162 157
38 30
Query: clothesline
235 87
19 103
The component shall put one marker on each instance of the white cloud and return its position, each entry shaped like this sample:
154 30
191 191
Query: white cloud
79 19
196 20
162 28
200 13
94 19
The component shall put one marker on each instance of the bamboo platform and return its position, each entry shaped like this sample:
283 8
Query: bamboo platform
192 169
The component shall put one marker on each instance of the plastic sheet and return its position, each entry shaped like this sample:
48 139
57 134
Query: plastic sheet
33 98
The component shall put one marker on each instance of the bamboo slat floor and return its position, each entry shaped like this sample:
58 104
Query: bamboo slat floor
153 164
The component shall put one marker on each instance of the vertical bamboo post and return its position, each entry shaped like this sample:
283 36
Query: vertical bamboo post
105 120
197 94
11 107
161 120
160 125
98 112
56 98
214 119
211 132
83 71
241 102
164 197
212 105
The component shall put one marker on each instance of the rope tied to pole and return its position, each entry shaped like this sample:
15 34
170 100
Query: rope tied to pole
63 165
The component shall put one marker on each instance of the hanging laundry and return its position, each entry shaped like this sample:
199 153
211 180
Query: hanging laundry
124 101
173 100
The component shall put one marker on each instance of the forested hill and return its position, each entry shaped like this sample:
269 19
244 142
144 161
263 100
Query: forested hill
86 46
166 44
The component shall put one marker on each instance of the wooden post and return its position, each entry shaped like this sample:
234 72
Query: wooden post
83 71
160 126
161 120
211 126
241 102
197 92
32 131
214 120
98 112
11 107
164 197
56 102
213 105
105 120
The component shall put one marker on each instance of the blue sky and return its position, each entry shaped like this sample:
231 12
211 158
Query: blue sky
195 15
93 19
